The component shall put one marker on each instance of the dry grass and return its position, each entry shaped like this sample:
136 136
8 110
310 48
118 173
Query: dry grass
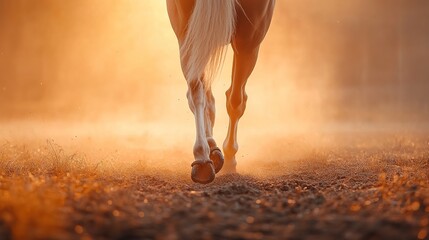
366 187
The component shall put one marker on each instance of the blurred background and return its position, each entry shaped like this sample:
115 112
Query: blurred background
324 65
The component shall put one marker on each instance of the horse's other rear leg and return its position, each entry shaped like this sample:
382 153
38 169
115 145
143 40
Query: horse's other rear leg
236 98
215 153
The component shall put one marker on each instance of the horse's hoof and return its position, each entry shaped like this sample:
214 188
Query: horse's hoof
203 171
217 157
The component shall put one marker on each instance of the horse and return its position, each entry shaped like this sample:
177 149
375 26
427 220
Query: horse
204 29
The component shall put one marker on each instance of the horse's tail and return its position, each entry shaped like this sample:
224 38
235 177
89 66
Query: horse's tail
209 32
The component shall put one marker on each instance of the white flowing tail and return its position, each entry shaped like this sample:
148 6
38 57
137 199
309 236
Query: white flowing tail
209 32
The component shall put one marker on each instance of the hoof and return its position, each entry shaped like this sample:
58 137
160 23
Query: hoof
203 171
217 157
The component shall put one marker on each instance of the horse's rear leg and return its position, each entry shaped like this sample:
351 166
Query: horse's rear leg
202 168
236 97
199 101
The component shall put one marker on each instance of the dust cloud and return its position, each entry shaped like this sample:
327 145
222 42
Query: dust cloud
96 136
107 74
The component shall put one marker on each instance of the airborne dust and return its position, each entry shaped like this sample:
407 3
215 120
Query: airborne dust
92 97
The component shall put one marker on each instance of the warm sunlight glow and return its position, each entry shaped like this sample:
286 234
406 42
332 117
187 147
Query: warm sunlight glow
96 135
83 61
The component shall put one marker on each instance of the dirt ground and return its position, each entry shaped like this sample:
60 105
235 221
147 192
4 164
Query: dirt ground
360 187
